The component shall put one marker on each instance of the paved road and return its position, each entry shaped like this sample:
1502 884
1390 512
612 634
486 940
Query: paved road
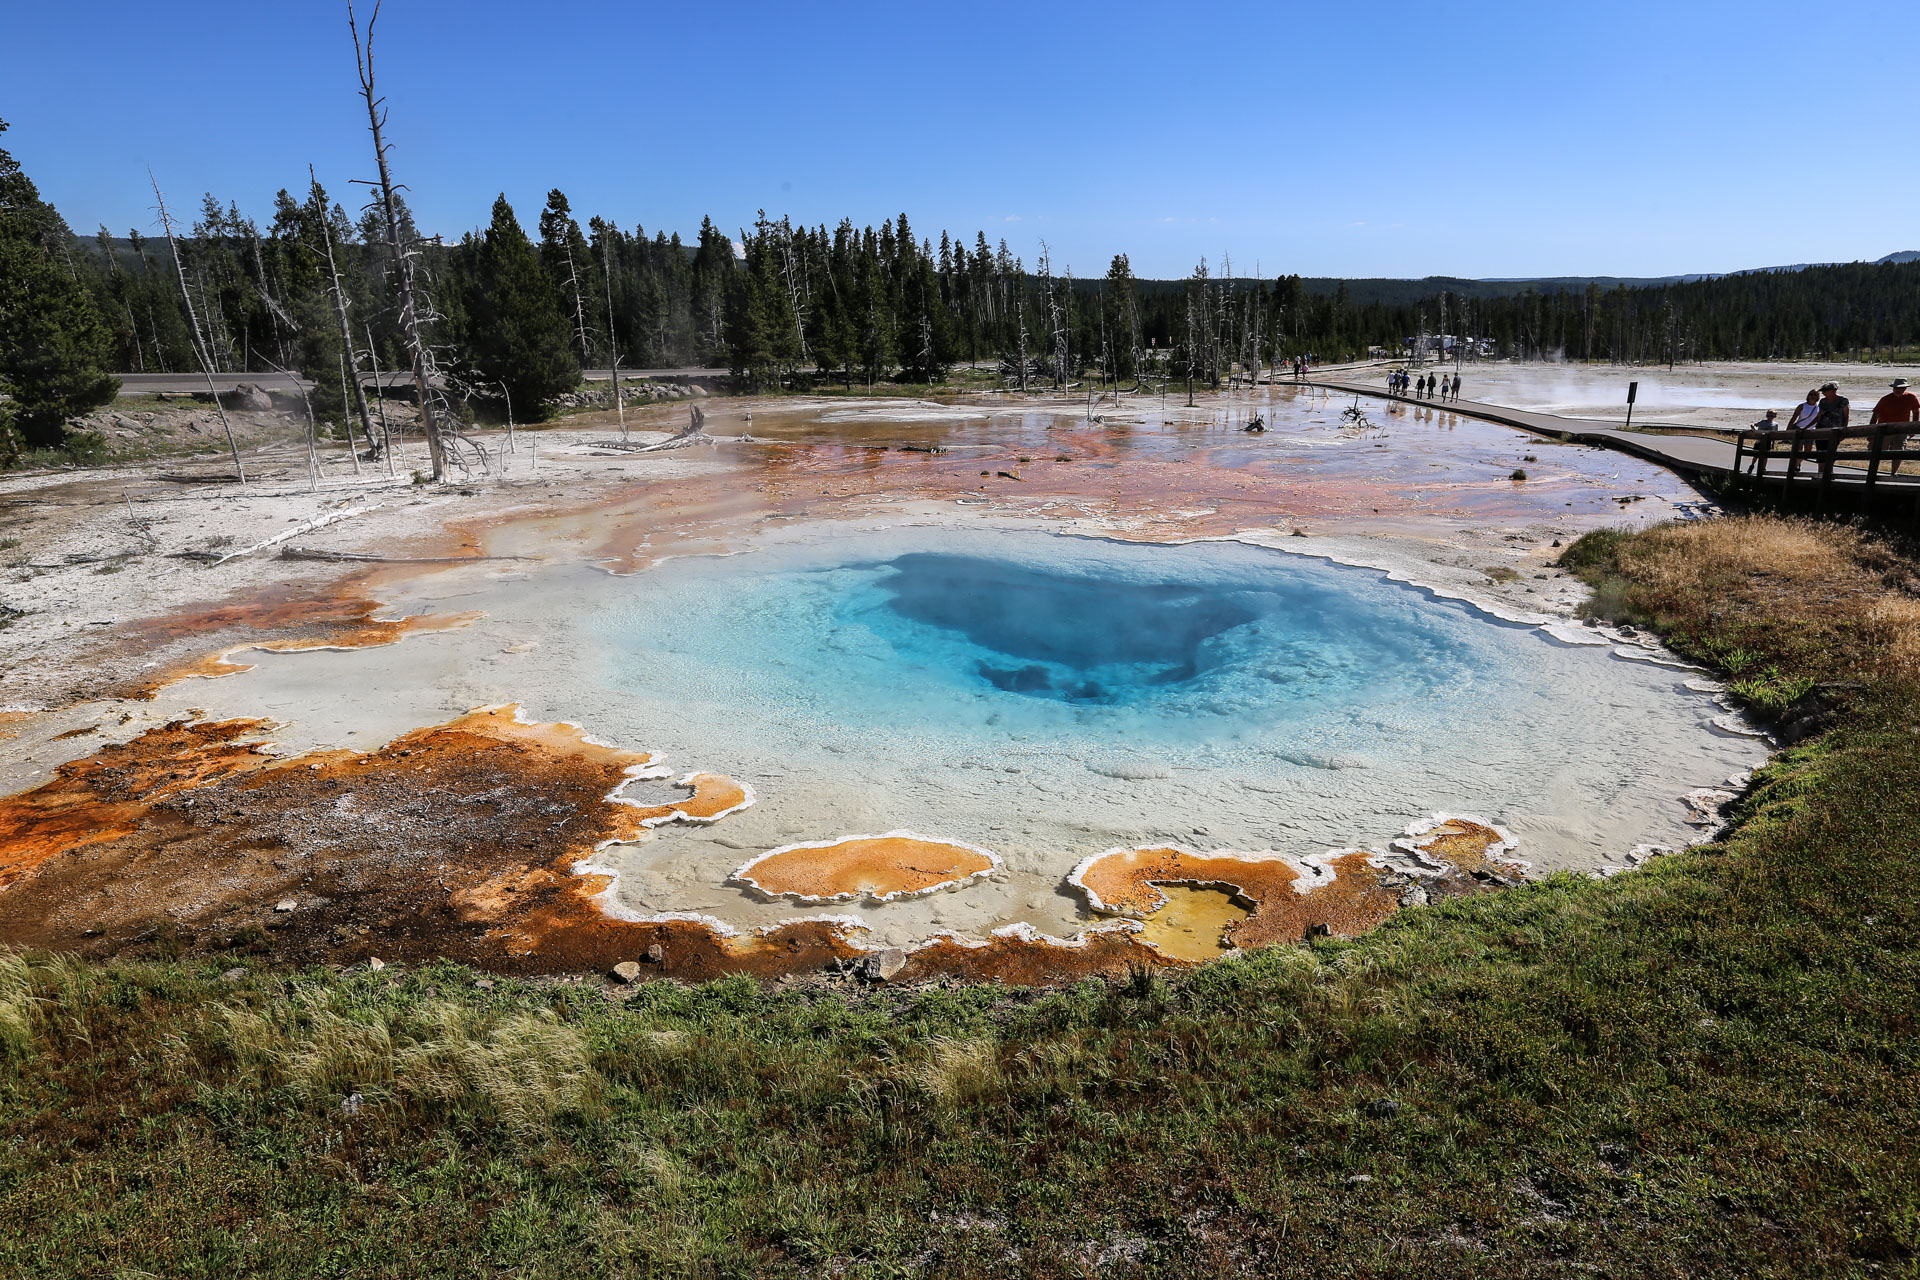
655 375
1685 454
148 384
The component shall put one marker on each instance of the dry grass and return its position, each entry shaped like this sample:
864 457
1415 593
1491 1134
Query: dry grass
1841 603
438 1058
954 1072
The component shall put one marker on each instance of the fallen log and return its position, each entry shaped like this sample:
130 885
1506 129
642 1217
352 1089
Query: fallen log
358 557
318 522
224 477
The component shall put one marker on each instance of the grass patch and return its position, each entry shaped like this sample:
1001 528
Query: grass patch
1706 1067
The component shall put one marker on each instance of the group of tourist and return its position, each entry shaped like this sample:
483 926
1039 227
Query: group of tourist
1825 409
1432 386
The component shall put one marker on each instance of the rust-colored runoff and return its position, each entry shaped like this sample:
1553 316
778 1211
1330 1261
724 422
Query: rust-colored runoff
1349 900
461 840
895 865
458 840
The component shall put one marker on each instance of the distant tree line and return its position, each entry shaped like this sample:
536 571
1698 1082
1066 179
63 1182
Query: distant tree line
517 318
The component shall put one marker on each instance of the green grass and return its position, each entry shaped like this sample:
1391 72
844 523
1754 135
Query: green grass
1707 1067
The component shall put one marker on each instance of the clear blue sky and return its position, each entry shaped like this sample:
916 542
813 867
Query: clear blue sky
1495 139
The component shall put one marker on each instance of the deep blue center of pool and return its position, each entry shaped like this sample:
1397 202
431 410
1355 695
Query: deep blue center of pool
1066 636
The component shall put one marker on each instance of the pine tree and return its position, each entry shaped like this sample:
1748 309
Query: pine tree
513 326
872 315
54 345
568 259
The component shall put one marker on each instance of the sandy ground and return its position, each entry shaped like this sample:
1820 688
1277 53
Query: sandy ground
1722 395
106 613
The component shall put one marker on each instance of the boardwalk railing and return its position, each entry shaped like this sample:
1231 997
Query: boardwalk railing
1819 452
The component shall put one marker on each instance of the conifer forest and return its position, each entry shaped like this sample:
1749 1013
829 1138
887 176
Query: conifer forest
513 318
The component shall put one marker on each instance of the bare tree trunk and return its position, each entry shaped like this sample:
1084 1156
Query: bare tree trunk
351 451
402 260
613 348
392 445
1020 311
346 331
579 303
199 339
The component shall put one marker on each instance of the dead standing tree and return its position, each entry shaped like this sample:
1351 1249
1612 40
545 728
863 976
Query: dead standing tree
613 345
346 329
1055 341
402 256
200 349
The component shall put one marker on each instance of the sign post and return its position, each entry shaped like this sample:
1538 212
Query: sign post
1633 392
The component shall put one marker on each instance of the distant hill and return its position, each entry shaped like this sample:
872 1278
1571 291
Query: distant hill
1398 292
1393 293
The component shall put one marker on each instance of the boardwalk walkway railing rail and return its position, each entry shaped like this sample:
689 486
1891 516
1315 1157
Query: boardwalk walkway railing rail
1851 465
1823 450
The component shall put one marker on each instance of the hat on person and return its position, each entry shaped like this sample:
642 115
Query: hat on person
1899 384
1829 386
1773 413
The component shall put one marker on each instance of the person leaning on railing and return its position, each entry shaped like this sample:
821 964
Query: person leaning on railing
1764 446
1805 413
1898 405
1835 412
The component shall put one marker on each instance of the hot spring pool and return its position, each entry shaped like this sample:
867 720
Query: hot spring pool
1047 697
1042 698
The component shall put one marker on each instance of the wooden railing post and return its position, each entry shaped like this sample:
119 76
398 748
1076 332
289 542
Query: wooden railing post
1827 459
1873 458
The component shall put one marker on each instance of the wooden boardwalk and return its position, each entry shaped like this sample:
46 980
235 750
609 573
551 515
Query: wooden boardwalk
1803 475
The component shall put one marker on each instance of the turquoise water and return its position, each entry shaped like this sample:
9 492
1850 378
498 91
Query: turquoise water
1048 697
969 642
1179 637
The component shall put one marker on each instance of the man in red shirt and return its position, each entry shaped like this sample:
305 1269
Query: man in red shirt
1898 405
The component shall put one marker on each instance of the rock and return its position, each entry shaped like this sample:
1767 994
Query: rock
626 971
285 905
485 984
1359 1179
1319 930
883 965
1383 1108
376 964
233 975
1415 896
248 396
656 954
